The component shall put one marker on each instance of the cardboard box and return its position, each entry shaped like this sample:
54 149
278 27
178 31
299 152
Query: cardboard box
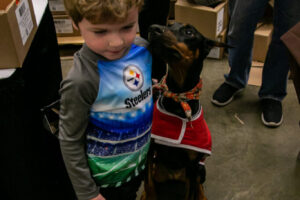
18 27
255 75
208 21
57 7
262 39
218 52
226 15
64 27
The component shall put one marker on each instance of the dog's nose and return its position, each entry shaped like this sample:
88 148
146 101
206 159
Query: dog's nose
156 29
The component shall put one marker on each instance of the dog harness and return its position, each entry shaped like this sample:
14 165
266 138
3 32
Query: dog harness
193 94
171 130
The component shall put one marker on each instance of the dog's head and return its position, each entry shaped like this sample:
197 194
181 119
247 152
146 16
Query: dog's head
182 47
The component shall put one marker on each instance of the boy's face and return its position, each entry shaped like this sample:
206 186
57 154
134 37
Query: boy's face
110 40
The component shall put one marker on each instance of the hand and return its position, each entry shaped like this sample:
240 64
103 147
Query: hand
99 197
154 81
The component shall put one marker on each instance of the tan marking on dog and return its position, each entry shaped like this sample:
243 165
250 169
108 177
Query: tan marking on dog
178 70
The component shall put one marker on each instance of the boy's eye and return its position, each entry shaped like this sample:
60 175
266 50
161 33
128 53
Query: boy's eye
128 27
100 32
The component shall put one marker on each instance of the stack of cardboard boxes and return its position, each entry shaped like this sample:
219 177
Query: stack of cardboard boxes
211 22
63 24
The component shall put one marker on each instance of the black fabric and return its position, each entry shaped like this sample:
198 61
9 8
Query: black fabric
295 74
31 164
171 190
127 191
209 3
154 12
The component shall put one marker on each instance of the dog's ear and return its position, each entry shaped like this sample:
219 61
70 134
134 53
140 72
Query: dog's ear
214 43
209 44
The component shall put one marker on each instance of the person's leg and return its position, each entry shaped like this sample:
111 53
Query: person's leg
243 21
275 71
245 15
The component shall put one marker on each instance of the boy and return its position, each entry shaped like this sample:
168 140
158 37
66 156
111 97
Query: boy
106 101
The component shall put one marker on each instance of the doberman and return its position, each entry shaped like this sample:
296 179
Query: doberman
180 137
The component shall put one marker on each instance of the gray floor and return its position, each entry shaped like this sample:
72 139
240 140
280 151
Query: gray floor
249 161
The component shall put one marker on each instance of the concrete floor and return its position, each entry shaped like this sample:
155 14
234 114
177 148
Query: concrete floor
249 161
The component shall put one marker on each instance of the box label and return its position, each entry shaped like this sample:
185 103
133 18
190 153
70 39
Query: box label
24 20
214 53
220 21
56 5
63 25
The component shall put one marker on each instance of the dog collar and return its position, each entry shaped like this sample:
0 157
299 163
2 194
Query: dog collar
182 98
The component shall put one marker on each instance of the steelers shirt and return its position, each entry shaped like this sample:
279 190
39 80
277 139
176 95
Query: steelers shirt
118 135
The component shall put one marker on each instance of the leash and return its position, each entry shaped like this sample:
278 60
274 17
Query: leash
182 98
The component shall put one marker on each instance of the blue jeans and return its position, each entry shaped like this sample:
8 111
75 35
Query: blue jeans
244 15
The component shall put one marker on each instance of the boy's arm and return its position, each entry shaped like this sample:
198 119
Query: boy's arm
99 197
75 104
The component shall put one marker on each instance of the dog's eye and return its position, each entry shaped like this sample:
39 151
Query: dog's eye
189 32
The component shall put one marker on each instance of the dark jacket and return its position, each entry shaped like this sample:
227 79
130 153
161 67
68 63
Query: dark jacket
292 41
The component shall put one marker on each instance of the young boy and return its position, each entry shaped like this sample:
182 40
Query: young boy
106 101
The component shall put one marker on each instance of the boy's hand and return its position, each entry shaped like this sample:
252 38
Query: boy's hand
99 197
154 81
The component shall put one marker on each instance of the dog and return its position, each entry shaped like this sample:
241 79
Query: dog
180 137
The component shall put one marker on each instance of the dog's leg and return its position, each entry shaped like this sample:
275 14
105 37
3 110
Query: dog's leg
201 174
201 195
197 176
149 188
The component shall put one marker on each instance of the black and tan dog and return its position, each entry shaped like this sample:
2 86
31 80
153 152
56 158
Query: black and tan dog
181 139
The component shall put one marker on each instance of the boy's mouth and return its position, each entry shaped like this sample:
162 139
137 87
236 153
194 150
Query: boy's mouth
116 51
115 54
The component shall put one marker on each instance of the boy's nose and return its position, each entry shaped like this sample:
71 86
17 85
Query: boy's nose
115 41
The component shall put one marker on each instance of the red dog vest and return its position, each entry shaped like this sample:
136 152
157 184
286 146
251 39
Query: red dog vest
171 130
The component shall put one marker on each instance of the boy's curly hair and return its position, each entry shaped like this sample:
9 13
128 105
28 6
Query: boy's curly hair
100 11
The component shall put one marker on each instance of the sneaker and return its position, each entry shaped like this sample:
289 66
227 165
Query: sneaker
224 94
271 112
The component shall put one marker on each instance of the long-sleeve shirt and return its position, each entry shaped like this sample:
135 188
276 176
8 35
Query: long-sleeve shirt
90 96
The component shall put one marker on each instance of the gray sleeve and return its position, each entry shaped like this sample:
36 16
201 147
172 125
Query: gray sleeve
78 93
141 42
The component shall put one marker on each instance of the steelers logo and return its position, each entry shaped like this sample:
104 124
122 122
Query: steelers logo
133 77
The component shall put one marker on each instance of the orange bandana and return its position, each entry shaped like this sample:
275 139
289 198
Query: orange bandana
182 98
